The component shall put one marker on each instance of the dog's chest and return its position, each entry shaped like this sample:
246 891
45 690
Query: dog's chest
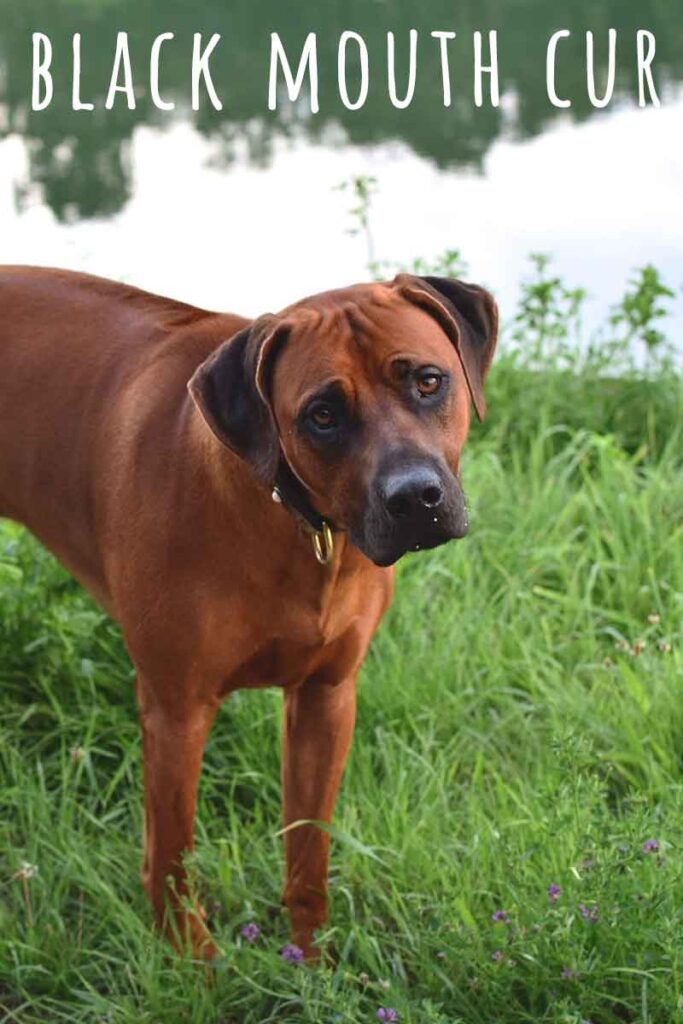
285 663
295 641
292 623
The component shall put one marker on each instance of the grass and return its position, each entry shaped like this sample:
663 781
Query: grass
520 726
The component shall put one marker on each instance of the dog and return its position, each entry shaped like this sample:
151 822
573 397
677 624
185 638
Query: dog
234 494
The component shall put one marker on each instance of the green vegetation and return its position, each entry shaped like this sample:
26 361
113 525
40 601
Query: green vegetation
520 727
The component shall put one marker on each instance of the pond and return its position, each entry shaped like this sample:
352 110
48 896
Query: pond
239 209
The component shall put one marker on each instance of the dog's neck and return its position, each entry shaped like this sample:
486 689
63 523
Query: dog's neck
292 494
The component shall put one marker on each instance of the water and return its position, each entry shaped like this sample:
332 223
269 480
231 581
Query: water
238 210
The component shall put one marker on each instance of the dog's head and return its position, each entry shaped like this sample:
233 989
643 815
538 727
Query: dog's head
365 392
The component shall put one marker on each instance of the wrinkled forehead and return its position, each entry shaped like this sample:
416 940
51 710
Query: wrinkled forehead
355 334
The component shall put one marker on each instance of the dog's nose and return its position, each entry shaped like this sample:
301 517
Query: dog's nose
413 492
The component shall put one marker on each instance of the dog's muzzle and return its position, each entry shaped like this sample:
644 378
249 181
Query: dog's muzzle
414 504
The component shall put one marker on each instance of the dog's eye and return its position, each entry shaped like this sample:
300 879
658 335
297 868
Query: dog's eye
428 382
322 416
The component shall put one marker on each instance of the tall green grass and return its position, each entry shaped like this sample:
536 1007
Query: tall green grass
520 726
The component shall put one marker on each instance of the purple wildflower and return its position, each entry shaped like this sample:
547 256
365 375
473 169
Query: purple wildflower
292 954
569 974
589 913
387 1014
497 955
250 932
553 892
500 915
651 846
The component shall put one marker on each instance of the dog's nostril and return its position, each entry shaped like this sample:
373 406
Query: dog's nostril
412 494
432 496
398 505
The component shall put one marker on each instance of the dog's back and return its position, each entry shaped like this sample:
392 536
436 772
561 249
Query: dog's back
70 346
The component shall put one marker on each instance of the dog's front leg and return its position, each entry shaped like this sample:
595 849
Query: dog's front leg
173 742
318 726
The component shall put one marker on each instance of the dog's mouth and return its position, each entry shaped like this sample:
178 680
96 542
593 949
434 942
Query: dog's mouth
415 503
387 550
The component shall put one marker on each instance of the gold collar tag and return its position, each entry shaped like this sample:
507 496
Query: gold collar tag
323 544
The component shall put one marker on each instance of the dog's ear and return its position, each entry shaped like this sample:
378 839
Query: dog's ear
468 315
232 391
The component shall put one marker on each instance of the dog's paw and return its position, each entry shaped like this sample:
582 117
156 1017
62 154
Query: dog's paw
190 937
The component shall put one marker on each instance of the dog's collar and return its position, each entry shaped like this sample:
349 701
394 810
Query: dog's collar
289 491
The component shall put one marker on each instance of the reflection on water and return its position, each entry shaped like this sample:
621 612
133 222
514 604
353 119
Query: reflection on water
236 208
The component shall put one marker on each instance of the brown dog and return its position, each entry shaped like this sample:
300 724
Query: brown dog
232 493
